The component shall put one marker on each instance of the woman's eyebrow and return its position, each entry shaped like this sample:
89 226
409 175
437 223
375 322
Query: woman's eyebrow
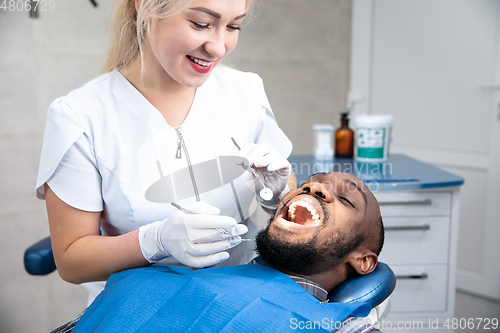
215 14
240 16
207 11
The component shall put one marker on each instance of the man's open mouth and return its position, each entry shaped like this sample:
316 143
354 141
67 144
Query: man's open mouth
304 211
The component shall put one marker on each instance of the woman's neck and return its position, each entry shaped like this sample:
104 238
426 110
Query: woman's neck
154 80
170 98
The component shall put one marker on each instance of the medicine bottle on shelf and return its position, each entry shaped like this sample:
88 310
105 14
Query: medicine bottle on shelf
344 138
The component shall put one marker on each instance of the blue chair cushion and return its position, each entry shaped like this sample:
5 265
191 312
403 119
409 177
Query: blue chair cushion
38 258
372 288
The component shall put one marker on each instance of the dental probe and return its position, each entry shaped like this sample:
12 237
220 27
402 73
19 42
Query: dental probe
184 210
265 193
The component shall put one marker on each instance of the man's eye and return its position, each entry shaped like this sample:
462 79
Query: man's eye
199 26
344 199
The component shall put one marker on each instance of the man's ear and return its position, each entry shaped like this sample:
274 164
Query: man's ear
363 262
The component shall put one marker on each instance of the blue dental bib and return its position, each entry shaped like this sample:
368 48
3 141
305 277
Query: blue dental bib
246 298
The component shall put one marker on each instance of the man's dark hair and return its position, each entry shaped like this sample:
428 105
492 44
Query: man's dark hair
375 239
379 242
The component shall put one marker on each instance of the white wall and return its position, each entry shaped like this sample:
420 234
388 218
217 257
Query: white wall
302 51
300 48
40 59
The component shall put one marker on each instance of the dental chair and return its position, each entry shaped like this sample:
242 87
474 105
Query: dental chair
374 288
38 258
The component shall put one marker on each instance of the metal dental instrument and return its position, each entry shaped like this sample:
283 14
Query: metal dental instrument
184 210
265 193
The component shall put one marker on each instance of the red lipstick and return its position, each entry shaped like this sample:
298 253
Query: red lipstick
200 69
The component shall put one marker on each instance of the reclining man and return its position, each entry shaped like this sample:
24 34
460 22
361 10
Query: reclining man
322 233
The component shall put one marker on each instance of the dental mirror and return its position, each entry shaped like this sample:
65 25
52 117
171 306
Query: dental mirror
266 193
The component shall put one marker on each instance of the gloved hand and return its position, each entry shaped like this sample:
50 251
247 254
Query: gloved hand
191 238
273 169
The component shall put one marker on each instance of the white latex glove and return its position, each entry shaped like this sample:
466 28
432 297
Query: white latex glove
273 169
191 238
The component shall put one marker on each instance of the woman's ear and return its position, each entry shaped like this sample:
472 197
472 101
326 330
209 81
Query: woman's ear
363 262
137 4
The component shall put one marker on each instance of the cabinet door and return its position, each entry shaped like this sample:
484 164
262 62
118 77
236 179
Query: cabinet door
420 288
435 66
414 203
416 240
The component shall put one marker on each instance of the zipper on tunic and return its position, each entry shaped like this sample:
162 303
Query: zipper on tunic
182 146
180 142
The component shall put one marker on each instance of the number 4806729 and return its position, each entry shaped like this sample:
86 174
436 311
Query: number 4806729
471 323
27 5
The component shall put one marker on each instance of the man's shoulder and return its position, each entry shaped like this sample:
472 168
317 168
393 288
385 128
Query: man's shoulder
254 270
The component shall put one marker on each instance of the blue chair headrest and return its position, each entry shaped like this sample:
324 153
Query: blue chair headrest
39 259
371 288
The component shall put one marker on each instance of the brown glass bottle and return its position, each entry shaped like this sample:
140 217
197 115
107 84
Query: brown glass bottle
344 138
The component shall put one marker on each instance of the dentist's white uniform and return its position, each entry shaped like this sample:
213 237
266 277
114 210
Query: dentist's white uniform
105 145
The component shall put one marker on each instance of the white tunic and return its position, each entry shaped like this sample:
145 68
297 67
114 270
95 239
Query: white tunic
106 148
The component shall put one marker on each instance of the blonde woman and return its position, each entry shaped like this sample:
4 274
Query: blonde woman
151 130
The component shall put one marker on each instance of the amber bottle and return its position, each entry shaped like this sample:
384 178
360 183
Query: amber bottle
344 138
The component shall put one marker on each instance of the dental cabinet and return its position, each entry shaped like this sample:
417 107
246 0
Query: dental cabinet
419 204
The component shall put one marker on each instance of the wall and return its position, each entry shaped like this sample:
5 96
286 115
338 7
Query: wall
302 51
300 48
40 59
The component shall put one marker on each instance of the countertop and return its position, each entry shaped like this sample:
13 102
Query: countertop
399 172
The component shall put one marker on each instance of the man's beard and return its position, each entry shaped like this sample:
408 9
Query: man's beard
304 258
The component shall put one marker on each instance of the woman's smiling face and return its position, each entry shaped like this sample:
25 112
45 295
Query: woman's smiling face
188 45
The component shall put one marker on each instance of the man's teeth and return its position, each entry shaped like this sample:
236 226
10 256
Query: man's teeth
312 211
200 62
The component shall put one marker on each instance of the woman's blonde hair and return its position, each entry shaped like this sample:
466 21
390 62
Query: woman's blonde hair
131 26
